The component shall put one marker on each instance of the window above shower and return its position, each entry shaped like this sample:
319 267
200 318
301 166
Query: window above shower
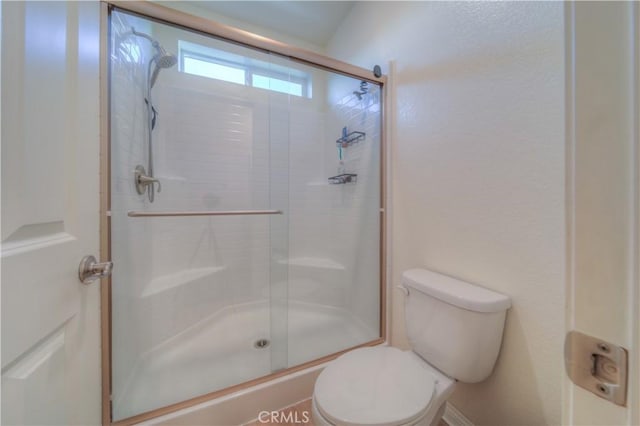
217 64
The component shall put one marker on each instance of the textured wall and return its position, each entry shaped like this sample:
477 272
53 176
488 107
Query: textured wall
478 174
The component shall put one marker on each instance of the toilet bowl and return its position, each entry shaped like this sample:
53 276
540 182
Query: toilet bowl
380 386
455 330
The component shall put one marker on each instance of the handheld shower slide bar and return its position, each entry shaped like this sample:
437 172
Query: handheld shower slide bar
134 213
159 61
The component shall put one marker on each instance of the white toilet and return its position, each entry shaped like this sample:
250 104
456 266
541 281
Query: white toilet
455 330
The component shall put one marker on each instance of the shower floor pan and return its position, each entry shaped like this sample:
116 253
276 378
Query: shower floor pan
221 352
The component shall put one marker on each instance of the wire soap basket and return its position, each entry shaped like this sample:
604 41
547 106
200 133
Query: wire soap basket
343 178
350 139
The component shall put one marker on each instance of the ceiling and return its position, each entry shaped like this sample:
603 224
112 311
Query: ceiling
312 21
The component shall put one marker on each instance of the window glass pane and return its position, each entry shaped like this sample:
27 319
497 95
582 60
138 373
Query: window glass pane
213 70
277 85
224 65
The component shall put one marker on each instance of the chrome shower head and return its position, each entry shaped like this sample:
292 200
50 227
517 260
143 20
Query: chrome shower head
163 59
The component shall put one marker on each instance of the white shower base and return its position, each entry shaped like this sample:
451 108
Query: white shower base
219 352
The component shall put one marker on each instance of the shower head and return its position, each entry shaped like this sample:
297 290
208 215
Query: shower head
163 59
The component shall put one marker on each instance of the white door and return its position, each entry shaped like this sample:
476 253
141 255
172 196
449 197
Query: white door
50 203
603 161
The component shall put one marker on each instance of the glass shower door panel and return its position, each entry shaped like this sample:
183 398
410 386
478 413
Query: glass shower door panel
279 147
192 296
334 216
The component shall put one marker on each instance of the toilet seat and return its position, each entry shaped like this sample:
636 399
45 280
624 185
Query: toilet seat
380 386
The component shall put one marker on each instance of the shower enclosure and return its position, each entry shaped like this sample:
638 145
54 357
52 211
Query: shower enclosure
245 219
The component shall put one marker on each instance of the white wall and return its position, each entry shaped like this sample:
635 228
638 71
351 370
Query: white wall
478 176
194 8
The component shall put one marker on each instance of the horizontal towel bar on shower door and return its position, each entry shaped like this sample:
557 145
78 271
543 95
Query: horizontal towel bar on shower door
203 213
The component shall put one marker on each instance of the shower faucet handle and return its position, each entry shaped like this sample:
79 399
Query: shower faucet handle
142 180
147 180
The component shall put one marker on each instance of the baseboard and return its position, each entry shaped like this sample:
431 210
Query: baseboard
453 417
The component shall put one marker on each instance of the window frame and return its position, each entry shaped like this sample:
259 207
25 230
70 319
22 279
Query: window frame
250 69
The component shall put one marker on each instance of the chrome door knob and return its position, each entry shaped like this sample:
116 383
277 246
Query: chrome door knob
90 270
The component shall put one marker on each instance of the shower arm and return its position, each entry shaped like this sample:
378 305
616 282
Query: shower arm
153 41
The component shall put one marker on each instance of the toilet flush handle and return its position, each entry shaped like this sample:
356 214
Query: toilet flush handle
404 289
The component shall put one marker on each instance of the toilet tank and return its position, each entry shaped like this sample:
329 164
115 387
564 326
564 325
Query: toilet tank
453 325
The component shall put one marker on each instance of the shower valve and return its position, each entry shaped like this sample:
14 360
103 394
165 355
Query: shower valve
142 180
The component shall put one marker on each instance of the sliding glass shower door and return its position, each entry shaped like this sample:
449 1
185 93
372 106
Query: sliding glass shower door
245 214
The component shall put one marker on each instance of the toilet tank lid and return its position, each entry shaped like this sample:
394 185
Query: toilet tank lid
456 292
